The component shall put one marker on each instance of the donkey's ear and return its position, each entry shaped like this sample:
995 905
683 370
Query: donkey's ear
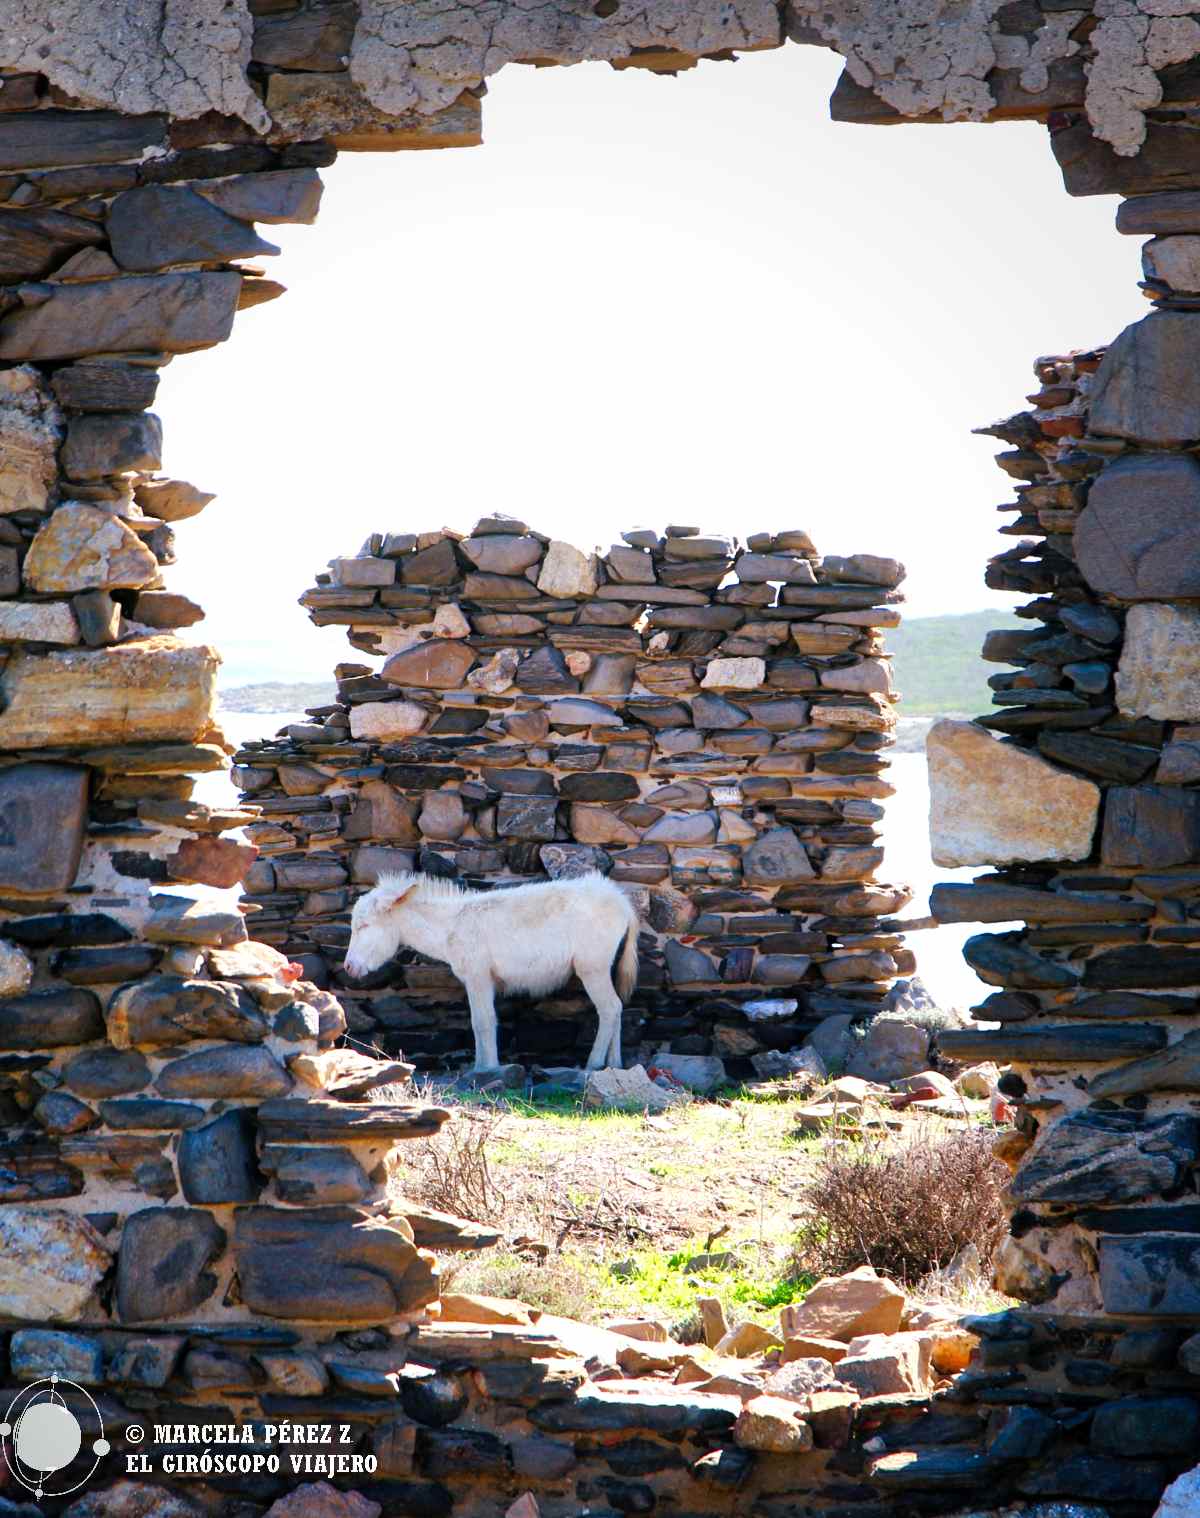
392 893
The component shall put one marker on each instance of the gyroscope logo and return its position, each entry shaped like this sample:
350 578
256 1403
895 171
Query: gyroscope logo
41 1437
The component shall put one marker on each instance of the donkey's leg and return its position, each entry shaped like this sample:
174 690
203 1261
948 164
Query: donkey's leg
481 995
599 987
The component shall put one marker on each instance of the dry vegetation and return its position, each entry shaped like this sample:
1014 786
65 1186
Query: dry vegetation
612 1213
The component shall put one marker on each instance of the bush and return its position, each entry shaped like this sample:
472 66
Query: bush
907 1208
562 1285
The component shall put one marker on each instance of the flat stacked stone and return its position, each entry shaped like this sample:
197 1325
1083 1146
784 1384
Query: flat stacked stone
1079 789
705 721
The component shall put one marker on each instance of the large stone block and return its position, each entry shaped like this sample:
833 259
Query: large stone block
84 548
162 1265
1159 671
217 1162
168 1009
330 1265
1151 1275
1139 536
151 691
50 1019
1150 827
174 313
50 1264
992 803
52 139
157 225
1148 386
43 811
1106 1157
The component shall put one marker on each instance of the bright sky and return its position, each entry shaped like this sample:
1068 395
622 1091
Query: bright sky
643 300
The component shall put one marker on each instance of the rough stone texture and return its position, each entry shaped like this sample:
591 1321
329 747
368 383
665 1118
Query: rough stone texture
1159 671
43 812
30 427
83 548
51 1264
154 690
1136 538
177 313
991 803
1148 386
162 1264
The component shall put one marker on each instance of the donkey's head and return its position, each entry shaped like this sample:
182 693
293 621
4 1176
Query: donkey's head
377 923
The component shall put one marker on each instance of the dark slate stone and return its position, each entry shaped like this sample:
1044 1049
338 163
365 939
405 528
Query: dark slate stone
287 195
148 1112
461 1452
105 387
328 1264
715 712
158 225
519 782
98 445
1089 1476
97 967
174 313
1137 537
148 1362
673 1412
529 817
1098 1156
1001 960
1135 1426
1183 1218
1144 967
1094 622
63 930
1147 388
432 1398
49 139
545 673
107 1072
35 1353
34 243
1025 1436
1174 1069
1075 1042
162 1264
50 1020
99 617
776 858
641 1457
1127 1004
1150 827
1154 1275
600 785
229 1070
59 1112
994 901
43 811
434 566
724 1467
1106 758
217 1163
316 1177
296 1022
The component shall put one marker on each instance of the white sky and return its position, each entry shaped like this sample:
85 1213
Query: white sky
643 300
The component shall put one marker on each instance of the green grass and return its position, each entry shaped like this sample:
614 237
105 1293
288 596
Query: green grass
937 666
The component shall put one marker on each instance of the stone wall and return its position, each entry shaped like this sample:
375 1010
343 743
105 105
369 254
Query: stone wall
705 723
1080 790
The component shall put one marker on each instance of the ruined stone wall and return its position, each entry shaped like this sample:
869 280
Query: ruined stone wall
704 723
1080 789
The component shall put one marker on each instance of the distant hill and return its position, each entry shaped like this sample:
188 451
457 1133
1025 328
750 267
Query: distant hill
278 696
938 671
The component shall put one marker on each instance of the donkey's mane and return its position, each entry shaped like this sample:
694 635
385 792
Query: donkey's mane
432 887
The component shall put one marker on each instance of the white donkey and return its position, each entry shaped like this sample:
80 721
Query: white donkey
528 938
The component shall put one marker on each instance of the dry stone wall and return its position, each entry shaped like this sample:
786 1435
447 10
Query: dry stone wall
195 1216
1080 789
704 722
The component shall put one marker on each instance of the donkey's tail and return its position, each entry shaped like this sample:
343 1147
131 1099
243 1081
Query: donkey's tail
627 963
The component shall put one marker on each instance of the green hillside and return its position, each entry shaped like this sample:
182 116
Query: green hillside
938 671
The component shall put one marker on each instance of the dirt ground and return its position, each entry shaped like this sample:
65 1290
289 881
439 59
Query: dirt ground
612 1213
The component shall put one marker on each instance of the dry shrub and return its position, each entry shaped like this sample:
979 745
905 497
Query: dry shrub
450 1173
561 1285
907 1207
